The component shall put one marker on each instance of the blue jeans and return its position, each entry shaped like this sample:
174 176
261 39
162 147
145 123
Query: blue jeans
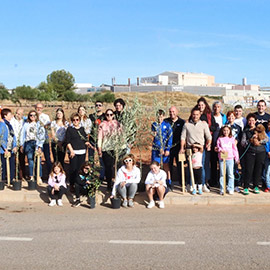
267 171
229 174
206 171
29 149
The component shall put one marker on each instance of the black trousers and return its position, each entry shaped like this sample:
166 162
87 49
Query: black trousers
80 190
253 168
75 164
108 159
174 152
57 194
198 176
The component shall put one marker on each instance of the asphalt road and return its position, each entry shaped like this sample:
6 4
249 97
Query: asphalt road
34 236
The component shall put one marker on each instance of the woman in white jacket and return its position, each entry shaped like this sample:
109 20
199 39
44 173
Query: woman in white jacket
127 179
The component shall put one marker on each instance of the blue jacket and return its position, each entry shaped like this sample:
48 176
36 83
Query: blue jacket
4 138
40 139
164 136
267 145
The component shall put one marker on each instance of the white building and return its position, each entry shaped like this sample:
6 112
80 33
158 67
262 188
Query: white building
179 78
83 88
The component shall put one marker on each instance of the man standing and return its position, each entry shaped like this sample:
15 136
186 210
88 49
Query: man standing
177 125
239 119
45 122
262 116
17 123
96 118
195 132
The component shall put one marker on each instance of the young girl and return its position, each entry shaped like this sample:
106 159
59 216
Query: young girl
156 183
226 143
57 184
196 158
83 181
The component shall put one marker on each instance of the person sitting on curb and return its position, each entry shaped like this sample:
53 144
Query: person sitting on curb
156 183
57 184
127 179
83 182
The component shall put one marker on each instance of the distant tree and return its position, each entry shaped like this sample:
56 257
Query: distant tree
4 94
106 96
26 92
61 82
70 96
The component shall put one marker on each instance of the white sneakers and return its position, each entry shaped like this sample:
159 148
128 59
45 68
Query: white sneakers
53 203
205 188
152 204
60 203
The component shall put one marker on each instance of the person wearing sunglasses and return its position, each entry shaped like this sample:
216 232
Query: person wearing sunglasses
32 139
126 182
77 141
107 132
97 118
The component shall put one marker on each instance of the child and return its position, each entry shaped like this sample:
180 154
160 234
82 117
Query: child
196 158
156 183
162 143
83 182
57 184
267 160
226 143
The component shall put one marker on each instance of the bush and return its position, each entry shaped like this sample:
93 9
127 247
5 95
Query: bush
4 94
106 96
26 92
70 96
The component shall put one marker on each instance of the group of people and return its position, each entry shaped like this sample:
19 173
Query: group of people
213 138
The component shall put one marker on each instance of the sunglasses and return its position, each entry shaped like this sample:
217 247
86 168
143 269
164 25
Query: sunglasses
109 114
56 179
76 120
128 160
98 105
32 115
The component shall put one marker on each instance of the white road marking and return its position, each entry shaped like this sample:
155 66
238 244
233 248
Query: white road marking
263 243
15 239
136 242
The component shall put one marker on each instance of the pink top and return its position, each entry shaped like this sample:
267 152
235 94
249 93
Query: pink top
227 144
106 133
61 178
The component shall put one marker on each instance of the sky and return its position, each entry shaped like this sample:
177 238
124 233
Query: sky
98 40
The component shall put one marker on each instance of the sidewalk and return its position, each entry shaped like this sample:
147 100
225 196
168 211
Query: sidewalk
172 198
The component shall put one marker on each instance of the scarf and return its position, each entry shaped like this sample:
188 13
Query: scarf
10 128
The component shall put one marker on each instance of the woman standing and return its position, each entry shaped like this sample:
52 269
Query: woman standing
207 116
86 123
108 131
58 128
255 153
77 141
32 140
127 179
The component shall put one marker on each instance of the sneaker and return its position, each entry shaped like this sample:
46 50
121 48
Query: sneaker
205 188
194 191
76 203
125 203
52 203
246 192
60 203
231 192
130 203
267 190
221 193
151 204
161 204
237 189
200 191
256 190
